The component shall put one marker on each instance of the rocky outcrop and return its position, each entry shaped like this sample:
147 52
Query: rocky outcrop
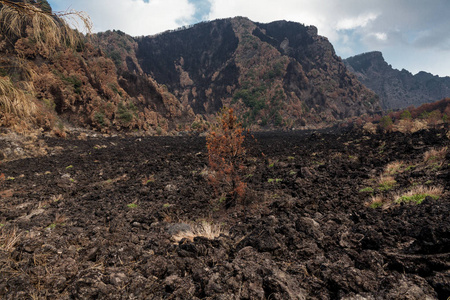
397 89
280 74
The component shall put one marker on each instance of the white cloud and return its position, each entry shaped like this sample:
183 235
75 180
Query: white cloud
382 36
352 26
134 17
355 22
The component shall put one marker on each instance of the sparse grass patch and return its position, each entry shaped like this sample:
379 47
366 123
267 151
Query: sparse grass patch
435 157
377 201
274 180
132 205
386 183
418 193
148 179
394 167
410 167
51 226
204 229
367 190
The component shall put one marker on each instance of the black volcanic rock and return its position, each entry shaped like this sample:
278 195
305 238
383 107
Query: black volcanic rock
397 89
189 59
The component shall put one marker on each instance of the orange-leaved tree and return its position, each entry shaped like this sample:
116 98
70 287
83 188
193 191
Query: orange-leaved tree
226 154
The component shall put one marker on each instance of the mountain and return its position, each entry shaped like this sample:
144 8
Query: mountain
281 74
397 89
277 75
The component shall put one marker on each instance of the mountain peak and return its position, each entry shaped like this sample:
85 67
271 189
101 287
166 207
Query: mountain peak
397 88
362 62
276 74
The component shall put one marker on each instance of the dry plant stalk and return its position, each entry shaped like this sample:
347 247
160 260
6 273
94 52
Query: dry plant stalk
14 101
435 155
204 229
8 239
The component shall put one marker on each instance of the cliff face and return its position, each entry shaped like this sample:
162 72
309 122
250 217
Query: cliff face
397 89
277 74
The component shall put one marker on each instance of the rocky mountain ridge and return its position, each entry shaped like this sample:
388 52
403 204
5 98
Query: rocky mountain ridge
275 75
397 89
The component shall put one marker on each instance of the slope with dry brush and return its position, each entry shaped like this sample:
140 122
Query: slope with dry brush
52 76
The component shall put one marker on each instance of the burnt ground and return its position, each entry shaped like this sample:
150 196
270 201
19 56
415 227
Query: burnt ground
95 220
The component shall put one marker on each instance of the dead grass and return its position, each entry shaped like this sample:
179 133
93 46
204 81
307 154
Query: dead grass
386 182
14 101
411 126
435 156
394 167
377 201
8 238
51 29
418 193
415 195
204 229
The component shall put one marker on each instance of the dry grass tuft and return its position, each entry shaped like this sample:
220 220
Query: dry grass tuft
386 183
45 28
8 238
14 101
204 229
411 126
394 167
377 201
435 156
418 193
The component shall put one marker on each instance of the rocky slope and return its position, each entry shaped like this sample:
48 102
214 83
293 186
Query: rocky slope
277 74
52 84
397 89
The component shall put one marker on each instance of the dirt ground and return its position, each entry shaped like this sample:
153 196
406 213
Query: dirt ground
96 219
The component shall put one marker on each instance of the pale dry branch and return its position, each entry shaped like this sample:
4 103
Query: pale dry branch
204 229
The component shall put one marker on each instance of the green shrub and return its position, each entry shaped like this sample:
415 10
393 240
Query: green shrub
386 123
366 190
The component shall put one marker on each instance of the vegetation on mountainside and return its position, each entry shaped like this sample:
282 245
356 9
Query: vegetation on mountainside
51 74
410 119
45 32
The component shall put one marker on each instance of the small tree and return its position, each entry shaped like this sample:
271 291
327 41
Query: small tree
226 155
434 117
386 123
405 115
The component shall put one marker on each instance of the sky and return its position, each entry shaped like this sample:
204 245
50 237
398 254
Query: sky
412 34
